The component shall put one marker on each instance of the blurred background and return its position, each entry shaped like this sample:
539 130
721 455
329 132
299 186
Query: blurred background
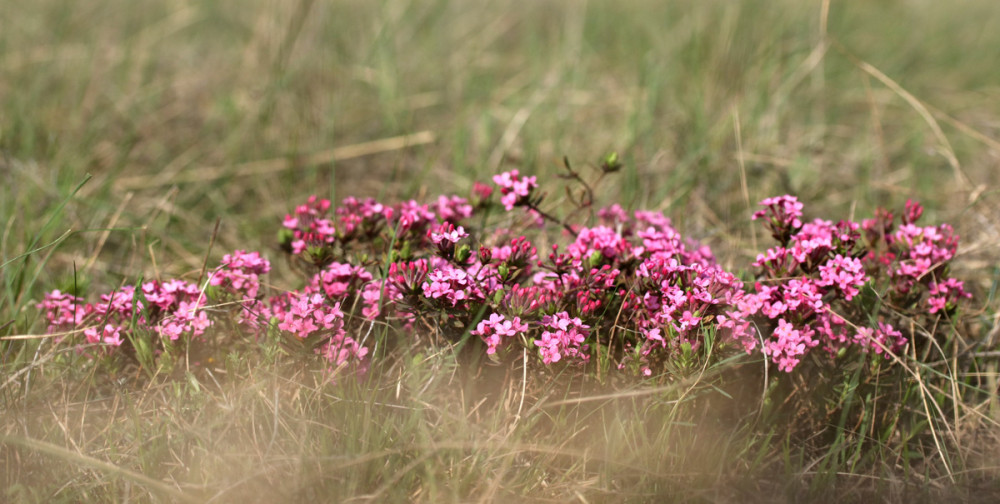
188 112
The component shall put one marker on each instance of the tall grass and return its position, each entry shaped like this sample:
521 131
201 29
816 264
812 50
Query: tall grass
128 129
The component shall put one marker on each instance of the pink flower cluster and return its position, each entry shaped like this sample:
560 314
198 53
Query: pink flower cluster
170 309
628 282
497 327
915 259
563 337
808 281
310 225
176 309
181 306
514 188
638 265
240 273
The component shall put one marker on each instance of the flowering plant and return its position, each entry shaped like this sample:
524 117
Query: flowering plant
626 285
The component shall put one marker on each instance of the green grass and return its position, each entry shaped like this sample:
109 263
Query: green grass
128 129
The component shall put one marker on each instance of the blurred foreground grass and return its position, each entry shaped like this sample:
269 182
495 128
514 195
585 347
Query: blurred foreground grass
188 113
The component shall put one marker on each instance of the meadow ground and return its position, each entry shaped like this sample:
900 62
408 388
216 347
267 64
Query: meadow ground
138 137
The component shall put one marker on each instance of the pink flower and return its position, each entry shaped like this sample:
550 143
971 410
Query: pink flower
453 209
240 273
600 239
788 344
514 188
497 327
64 311
307 314
452 284
563 337
447 233
110 335
944 293
846 273
689 320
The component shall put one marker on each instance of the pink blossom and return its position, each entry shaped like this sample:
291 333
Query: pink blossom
563 337
846 273
452 208
497 327
110 335
514 188
240 273
447 232
449 283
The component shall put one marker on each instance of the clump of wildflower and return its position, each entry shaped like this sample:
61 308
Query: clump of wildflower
515 188
445 237
339 281
452 209
914 259
179 306
340 350
808 282
496 328
309 226
307 314
450 285
362 219
240 273
563 337
63 311
414 218
781 216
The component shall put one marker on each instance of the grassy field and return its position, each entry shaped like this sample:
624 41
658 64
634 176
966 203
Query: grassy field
137 137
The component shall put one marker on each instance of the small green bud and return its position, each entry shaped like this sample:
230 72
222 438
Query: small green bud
504 270
405 252
611 163
285 237
462 254
595 258
316 252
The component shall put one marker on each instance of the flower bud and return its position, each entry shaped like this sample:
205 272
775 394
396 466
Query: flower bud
485 255
611 163
462 254
595 258
285 237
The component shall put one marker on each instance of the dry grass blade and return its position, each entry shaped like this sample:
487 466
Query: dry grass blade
270 166
961 178
87 461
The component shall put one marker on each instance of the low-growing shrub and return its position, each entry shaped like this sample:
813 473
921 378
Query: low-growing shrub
626 287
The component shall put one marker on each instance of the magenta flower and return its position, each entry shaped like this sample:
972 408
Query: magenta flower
64 311
240 273
782 215
945 294
514 188
447 232
449 283
563 337
453 209
308 313
845 273
111 335
496 328
789 344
